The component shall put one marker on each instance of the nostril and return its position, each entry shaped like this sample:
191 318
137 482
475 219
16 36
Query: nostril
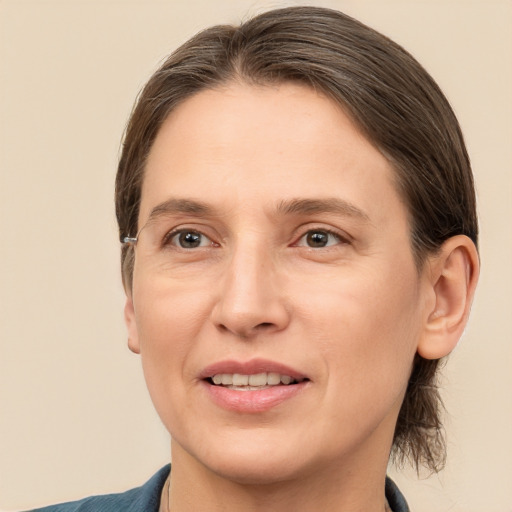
243 332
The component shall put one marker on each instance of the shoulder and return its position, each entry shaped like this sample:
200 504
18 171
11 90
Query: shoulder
395 498
146 497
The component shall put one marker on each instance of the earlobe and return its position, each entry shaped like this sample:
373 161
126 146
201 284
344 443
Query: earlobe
453 279
131 325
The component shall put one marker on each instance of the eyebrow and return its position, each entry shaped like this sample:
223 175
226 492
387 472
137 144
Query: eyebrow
314 206
296 206
175 206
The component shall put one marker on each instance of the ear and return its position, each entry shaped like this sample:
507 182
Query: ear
453 278
131 325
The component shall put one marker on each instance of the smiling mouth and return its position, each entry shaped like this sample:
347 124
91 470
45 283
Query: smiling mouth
252 382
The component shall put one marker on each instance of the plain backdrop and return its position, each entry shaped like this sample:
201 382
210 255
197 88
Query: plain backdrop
75 416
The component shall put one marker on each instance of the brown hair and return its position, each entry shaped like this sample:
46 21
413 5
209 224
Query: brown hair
392 99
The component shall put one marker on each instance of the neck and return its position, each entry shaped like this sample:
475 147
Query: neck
353 486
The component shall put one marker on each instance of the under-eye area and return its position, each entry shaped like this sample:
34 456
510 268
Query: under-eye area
255 381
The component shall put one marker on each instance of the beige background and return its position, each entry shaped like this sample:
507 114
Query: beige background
75 418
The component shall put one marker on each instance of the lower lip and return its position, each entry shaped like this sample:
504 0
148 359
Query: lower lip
252 401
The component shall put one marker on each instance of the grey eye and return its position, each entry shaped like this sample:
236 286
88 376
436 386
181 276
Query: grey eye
319 238
190 240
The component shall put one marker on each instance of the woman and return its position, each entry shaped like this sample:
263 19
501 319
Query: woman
297 217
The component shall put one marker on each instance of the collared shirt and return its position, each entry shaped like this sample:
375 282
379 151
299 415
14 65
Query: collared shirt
147 498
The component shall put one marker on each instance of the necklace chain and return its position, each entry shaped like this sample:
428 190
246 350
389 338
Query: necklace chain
169 494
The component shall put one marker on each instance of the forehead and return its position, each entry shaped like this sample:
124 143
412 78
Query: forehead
263 145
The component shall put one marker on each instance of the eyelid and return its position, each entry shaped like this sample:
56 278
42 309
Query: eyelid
167 239
343 236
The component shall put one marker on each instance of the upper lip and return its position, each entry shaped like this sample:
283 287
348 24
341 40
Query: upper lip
250 367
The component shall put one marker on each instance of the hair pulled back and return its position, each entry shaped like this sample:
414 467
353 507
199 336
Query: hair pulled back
388 95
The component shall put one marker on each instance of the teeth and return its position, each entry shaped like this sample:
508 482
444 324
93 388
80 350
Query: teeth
273 379
227 379
254 381
260 379
285 379
240 380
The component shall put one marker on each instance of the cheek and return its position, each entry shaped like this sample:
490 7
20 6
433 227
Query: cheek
169 320
366 327
168 313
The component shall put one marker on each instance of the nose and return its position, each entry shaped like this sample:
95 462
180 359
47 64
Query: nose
251 299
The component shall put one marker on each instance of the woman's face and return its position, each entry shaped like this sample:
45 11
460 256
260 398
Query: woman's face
275 247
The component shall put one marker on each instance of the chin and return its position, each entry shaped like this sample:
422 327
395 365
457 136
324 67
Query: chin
251 459
257 470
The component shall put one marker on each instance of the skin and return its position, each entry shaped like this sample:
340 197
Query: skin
350 315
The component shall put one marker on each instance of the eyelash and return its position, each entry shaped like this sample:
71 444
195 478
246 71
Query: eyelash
169 237
343 240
